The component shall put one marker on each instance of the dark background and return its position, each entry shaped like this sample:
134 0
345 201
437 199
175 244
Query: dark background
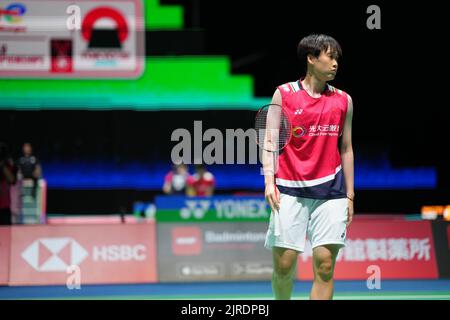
396 77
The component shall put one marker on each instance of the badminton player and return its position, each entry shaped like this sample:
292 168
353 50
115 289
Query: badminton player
313 188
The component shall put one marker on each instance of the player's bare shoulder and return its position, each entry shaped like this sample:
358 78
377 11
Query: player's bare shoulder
277 98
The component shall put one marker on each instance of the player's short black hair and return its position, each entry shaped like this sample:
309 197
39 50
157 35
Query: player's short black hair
314 44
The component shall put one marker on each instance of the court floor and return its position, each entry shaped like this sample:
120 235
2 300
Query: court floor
259 290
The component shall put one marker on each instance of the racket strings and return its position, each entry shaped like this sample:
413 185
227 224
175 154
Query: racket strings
273 128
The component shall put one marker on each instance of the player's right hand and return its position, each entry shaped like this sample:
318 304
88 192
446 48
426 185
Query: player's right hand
272 196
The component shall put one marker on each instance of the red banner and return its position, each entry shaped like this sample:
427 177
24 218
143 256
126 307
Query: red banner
5 242
400 249
104 254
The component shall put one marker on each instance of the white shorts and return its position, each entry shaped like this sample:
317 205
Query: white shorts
323 221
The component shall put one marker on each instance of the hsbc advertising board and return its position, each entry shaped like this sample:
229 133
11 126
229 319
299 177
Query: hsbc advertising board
211 251
103 253
5 245
71 39
441 232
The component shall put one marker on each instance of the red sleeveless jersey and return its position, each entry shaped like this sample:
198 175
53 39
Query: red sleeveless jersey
310 165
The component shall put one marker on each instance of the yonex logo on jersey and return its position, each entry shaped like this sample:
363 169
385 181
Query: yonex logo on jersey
298 111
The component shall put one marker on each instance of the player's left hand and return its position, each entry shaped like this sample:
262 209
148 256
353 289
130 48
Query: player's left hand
350 212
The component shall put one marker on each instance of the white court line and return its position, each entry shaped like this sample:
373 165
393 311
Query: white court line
394 297
354 297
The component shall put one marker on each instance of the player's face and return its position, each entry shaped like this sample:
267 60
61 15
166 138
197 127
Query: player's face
27 149
326 65
181 169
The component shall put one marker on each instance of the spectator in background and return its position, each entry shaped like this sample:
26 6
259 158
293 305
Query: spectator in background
7 178
29 166
176 180
202 183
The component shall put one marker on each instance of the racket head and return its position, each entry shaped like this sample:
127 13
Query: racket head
273 127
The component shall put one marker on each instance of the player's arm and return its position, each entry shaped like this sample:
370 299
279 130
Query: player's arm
271 191
37 173
211 187
346 151
167 187
209 191
190 189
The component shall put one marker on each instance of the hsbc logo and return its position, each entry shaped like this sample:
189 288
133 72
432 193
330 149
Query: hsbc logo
54 254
